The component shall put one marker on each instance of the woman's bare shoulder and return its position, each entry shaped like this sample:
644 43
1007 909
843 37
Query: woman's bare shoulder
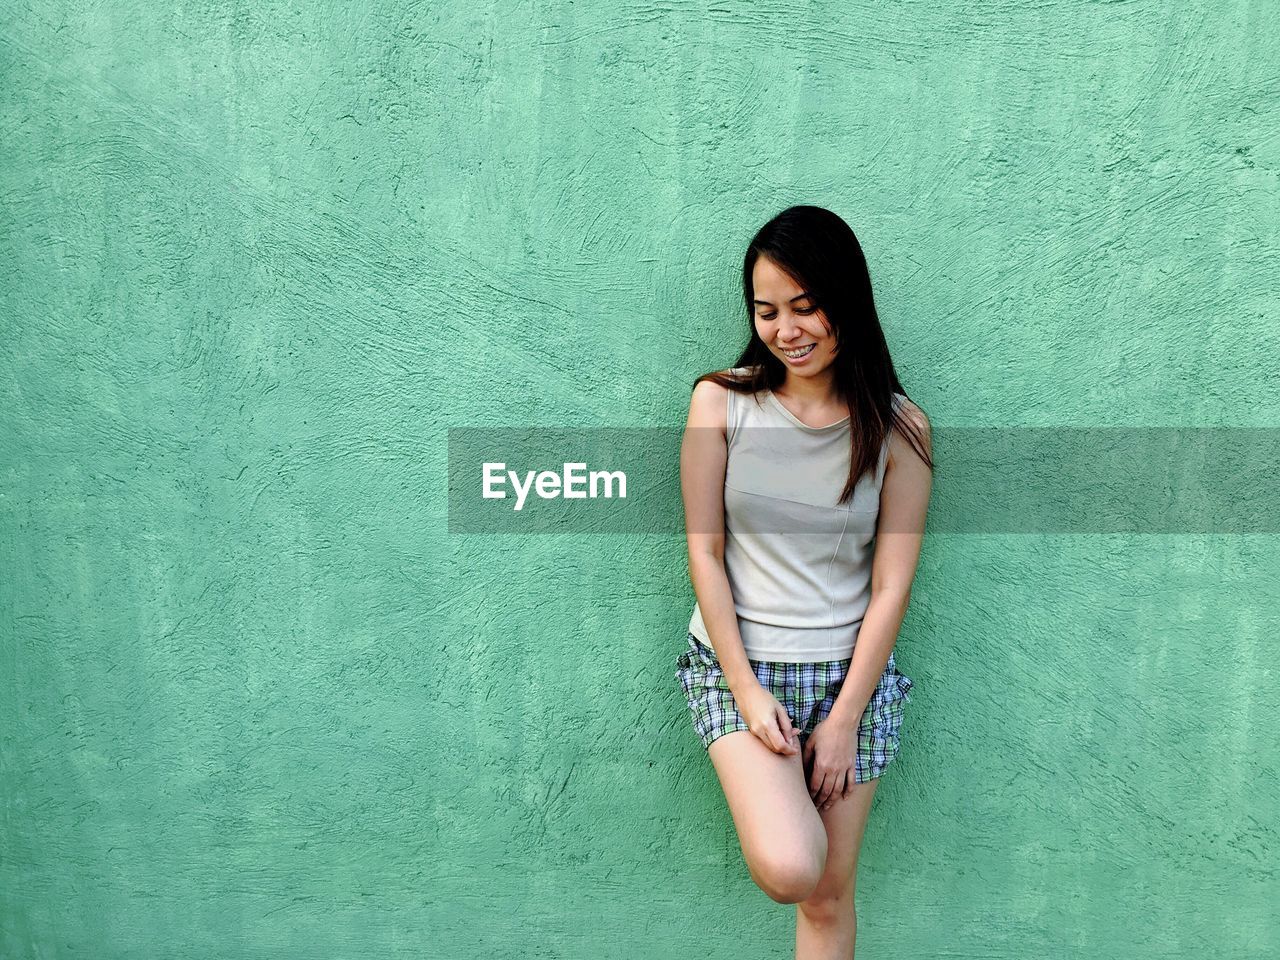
917 422
708 406
912 412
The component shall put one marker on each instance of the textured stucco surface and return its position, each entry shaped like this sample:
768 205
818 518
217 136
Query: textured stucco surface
254 702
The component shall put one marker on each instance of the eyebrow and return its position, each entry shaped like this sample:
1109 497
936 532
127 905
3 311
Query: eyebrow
766 303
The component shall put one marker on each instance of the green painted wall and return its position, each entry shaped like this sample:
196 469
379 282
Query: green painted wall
254 700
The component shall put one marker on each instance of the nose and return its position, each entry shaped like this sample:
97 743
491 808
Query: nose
788 329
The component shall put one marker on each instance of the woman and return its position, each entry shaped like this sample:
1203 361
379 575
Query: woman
806 474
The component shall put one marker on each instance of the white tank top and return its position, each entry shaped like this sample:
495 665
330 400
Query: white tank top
798 563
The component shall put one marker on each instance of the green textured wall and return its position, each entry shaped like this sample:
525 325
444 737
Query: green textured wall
254 700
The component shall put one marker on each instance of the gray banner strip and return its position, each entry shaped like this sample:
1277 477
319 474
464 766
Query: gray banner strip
986 480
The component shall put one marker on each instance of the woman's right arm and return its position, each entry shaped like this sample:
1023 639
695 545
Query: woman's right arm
703 460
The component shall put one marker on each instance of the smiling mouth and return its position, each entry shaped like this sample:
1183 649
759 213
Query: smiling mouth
800 352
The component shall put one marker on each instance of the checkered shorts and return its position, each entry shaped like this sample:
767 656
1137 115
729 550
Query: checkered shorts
807 691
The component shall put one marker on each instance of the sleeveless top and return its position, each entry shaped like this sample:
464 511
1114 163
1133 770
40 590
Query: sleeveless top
798 563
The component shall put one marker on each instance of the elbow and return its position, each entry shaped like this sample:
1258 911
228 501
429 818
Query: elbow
898 595
706 558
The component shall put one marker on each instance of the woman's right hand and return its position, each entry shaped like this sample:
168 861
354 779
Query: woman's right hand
767 719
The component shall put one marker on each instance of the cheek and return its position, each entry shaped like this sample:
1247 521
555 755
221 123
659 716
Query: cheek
829 341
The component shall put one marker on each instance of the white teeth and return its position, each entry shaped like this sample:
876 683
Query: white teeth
797 354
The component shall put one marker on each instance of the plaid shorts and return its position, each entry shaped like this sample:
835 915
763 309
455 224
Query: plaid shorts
807 691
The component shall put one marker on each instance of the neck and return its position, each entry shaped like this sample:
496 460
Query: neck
815 391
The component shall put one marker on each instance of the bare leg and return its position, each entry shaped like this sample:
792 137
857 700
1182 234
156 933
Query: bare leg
826 921
781 834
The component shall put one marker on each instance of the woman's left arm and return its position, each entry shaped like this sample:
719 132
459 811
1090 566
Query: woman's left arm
904 502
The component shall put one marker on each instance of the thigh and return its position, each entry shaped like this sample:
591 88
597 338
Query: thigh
845 822
778 826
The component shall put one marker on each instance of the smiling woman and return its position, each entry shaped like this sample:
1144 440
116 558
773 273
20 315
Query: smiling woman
786 327
789 670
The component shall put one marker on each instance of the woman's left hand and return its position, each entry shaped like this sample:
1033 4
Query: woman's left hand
830 756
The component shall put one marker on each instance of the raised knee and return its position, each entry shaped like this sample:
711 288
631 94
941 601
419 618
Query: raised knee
787 878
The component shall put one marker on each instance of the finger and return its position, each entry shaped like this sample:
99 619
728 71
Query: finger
773 736
815 780
825 794
824 790
836 782
793 733
844 787
841 787
785 731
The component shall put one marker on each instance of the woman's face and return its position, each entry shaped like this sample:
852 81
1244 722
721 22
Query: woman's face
788 321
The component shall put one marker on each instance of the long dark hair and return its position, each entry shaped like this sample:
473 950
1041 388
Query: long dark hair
820 252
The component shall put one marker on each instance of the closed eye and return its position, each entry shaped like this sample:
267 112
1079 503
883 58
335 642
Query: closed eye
803 312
